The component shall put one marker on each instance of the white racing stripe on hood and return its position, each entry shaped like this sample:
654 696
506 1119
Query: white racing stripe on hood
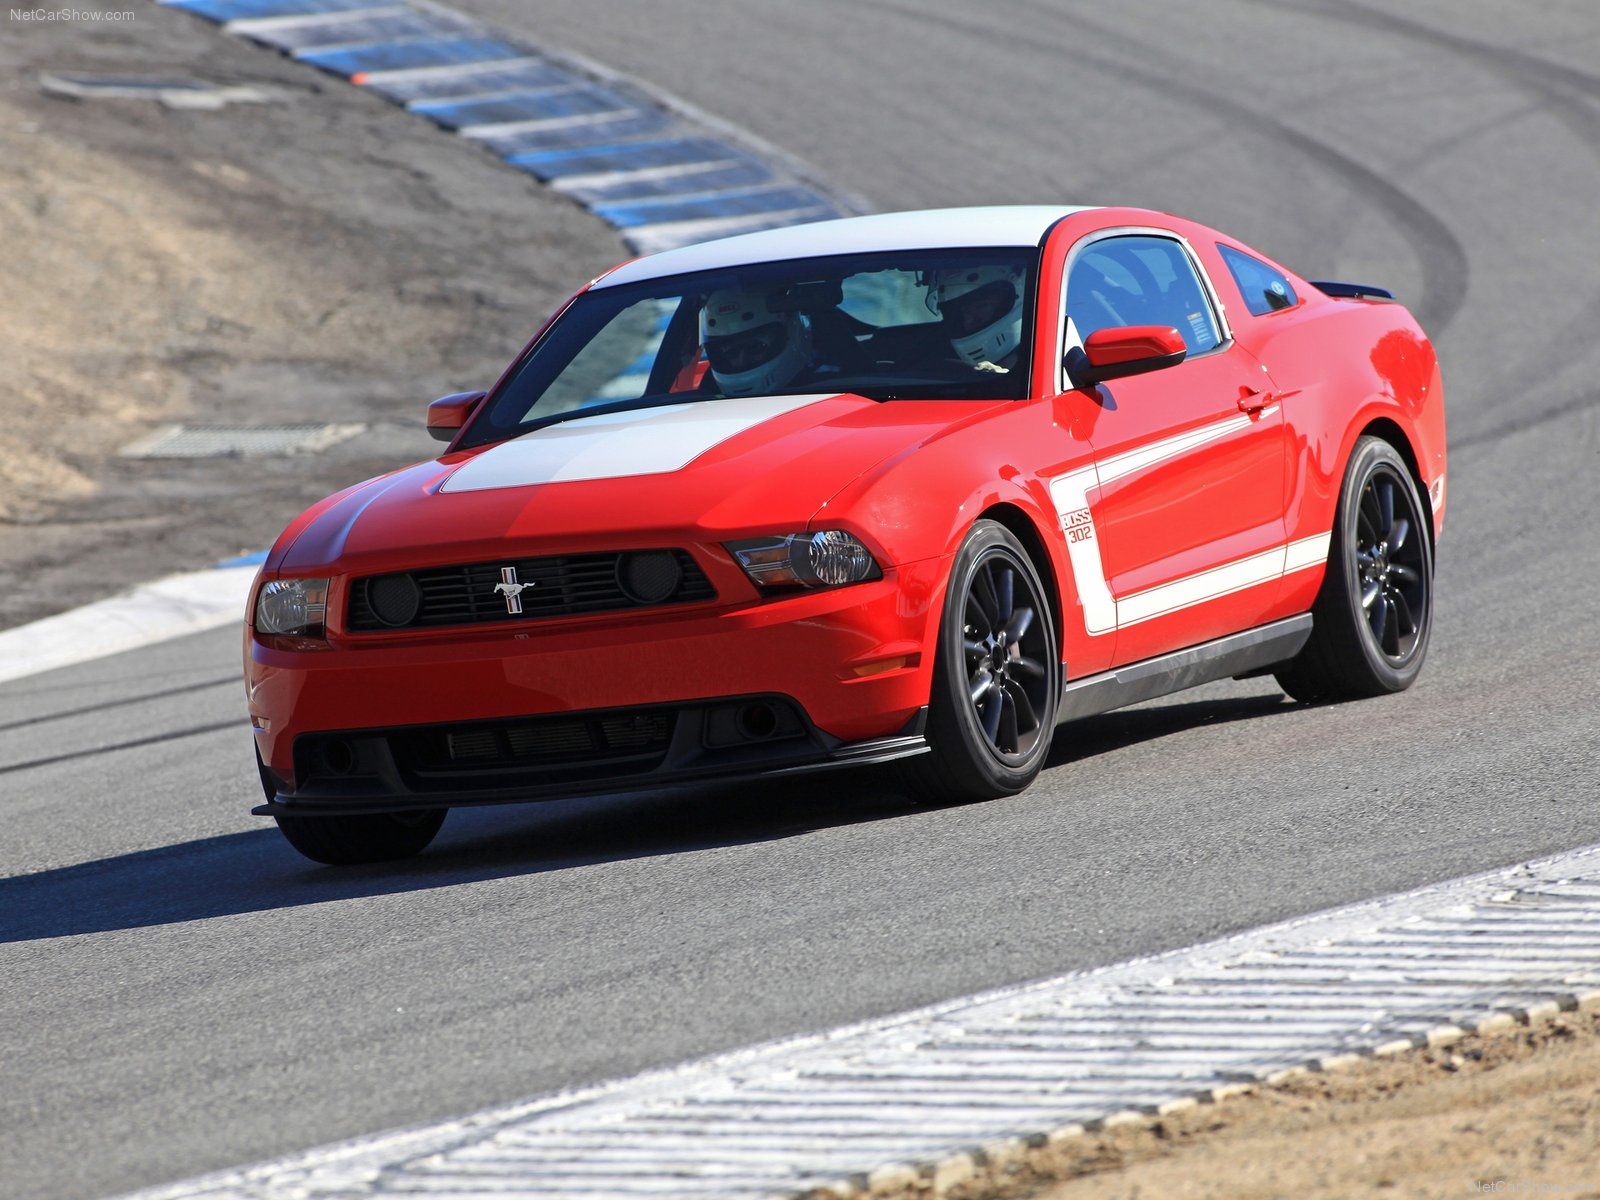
650 441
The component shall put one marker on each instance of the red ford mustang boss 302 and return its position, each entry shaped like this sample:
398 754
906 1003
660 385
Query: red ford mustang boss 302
914 487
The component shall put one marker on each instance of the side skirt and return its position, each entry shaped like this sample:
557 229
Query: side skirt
1252 651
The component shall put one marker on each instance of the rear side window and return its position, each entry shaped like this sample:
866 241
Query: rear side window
1140 280
1265 289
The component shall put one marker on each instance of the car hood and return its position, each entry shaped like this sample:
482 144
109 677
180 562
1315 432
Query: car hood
707 470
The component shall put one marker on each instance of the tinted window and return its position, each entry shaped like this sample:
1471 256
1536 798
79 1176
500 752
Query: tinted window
1265 290
1140 281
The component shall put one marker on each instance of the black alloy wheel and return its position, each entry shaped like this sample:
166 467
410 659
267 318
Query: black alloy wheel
997 675
1391 564
1374 614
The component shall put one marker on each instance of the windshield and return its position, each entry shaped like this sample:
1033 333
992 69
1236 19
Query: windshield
906 325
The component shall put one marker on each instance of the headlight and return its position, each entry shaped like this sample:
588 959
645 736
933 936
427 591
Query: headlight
292 608
832 558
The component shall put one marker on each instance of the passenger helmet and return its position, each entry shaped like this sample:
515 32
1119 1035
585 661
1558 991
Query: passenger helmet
981 308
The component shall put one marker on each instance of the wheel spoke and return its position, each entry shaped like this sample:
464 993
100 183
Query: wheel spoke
1402 611
980 684
1404 574
974 648
1369 516
990 712
1385 490
1018 625
988 602
1390 641
1027 719
1007 735
1378 618
1398 534
978 620
1030 667
1005 592
1370 594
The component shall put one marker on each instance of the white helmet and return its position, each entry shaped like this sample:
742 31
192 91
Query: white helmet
982 310
752 349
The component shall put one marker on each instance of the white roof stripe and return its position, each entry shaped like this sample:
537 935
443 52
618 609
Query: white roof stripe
929 229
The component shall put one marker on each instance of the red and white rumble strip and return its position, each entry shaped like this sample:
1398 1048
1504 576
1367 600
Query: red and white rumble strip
937 1092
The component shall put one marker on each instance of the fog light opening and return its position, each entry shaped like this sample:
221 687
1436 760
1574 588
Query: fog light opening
758 722
339 757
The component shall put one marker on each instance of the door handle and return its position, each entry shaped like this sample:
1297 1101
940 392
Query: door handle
1253 401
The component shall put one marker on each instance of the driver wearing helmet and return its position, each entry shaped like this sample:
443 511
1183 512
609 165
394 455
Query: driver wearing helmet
752 349
981 308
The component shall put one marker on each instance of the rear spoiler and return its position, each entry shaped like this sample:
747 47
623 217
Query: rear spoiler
1351 291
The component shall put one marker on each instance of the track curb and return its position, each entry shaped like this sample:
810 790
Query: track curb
660 171
191 602
935 1102
995 1165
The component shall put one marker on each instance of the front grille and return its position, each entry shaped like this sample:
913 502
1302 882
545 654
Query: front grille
632 740
559 586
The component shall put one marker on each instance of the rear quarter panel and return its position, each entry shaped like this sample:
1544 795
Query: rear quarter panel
1344 368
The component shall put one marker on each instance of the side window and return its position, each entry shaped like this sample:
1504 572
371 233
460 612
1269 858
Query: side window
1140 280
1265 289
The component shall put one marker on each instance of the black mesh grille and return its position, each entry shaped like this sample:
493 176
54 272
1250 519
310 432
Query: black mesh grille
631 740
562 586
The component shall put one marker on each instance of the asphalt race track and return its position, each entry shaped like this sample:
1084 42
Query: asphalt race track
182 992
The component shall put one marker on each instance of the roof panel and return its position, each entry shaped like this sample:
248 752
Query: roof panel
930 229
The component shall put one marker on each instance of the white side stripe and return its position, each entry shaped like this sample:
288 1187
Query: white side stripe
1070 494
1104 613
1197 589
1148 456
1307 552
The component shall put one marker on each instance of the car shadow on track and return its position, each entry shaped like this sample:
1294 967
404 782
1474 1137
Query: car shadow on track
1089 737
256 871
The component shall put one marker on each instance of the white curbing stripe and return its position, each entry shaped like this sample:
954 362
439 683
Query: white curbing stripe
154 612
925 1100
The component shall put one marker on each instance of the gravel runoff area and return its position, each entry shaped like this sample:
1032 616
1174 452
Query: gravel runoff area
321 257
1515 1112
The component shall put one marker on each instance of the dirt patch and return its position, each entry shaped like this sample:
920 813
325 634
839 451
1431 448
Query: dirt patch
322 257
1514 1113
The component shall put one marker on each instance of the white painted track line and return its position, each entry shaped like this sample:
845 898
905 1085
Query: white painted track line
926 1094
154 612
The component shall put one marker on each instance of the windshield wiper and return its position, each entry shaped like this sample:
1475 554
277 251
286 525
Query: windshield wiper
659 400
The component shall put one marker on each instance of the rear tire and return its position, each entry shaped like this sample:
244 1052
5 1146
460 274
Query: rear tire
362 837
1372 619
996 676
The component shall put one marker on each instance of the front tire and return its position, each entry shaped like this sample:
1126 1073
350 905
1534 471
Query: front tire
1372 619
996 676
362 837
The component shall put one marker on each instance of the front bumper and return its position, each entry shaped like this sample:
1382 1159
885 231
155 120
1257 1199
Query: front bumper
849 661
575 754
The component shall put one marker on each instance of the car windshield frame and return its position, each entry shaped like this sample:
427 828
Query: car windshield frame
907 358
